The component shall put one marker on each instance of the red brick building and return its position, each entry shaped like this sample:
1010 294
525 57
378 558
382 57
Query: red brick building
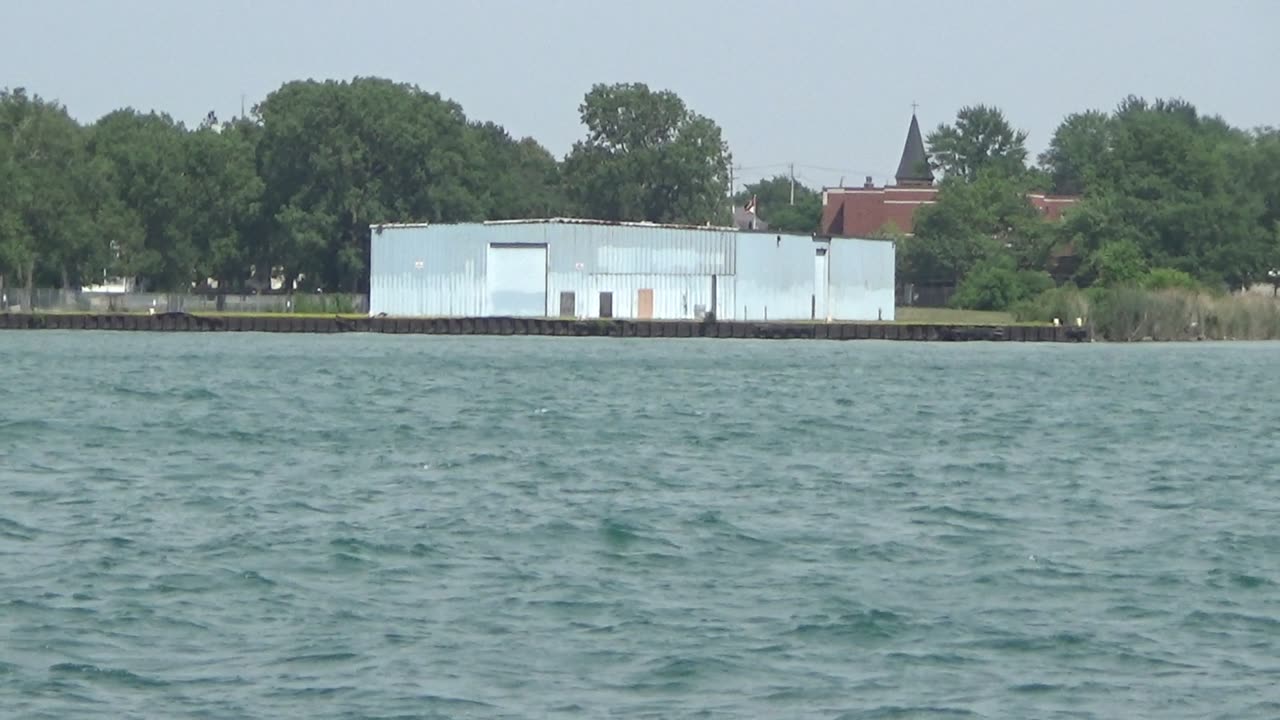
864 211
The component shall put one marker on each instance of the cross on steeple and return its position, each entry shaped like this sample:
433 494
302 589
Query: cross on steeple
913 107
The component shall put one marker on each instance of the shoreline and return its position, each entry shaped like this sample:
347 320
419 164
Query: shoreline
556 327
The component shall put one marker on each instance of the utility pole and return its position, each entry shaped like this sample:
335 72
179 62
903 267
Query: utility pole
733 206
793 183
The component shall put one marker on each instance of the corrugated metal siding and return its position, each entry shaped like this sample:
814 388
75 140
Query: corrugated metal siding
675 297
449 282
631 250
451 279
726 296
753 270
775 278
862 279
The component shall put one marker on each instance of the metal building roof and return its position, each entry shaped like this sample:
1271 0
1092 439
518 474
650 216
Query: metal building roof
568 221
377 227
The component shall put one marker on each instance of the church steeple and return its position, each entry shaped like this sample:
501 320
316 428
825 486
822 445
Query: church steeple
914 167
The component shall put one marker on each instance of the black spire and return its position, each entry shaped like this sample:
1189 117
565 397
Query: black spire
914 168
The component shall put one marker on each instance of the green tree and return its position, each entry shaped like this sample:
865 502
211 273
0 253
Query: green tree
524 176
1118 263
647 157
224 199
1095 222
1165 279
15 248
1263 163
997 284
970 223
775 206
1181 185
145 157
981 140
336 157
1076 152
58 221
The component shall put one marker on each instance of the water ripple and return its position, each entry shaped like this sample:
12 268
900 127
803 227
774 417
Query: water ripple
335 527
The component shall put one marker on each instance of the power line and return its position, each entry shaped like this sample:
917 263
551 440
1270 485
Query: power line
847 171
755 171
810 166
763 167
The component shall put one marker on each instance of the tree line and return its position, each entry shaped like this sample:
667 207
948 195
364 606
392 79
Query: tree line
1169 196
290 191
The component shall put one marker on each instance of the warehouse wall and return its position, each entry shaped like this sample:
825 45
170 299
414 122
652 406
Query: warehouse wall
776 278
862 279
440 270
427 271
676 264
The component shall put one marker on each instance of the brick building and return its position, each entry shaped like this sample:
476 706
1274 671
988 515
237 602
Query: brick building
864 211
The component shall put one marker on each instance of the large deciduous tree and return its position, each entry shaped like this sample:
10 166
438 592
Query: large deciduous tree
1183 189
647 157
224 196
970 223
59 219
1074 157
524 178
338 156
145 157
980 140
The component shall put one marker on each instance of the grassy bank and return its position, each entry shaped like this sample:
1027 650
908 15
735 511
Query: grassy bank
950 316
1127 314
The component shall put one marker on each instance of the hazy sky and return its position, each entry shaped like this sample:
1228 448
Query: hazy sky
826 84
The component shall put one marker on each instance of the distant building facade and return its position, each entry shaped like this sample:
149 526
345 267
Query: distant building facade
564 267
867 210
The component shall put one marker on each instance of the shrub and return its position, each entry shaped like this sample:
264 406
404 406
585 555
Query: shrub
1118 263
1065 303
337 303
1168 279
1034 282
996 285
1130 313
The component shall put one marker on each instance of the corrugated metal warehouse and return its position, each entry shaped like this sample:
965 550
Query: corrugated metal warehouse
594 269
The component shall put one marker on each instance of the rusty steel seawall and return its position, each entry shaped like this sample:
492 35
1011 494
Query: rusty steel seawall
181 322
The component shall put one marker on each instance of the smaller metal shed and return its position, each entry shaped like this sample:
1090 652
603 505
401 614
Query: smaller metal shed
592 269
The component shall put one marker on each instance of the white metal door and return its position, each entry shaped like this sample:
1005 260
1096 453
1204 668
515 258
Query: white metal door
516 277
820 284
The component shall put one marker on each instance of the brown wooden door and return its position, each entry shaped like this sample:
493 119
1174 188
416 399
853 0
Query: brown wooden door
644 304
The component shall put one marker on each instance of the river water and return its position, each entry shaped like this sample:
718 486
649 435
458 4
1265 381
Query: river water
239 526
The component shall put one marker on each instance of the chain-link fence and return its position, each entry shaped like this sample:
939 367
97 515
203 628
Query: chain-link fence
54 300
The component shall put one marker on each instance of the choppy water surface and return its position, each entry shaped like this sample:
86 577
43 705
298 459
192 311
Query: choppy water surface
235 526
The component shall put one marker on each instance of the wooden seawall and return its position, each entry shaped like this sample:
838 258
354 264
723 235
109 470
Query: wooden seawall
182 322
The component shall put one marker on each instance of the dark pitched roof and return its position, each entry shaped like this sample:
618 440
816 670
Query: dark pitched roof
914 167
